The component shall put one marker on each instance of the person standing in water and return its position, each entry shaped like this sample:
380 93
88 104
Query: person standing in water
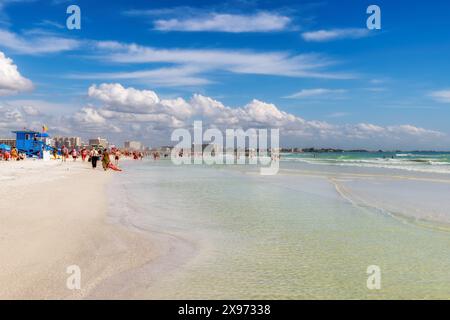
117 157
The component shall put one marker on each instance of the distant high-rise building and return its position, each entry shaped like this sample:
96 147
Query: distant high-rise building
8 141
99 142
68 142
133 145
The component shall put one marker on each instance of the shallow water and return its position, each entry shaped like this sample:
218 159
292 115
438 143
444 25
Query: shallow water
230 233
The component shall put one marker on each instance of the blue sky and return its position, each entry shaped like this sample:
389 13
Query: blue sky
139 69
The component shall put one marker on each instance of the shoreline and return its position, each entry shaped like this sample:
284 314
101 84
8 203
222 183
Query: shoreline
55 216
172 250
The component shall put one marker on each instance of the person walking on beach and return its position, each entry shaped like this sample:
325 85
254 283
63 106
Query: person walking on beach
64 153
105 160
83 154
94 158
116 157
74 154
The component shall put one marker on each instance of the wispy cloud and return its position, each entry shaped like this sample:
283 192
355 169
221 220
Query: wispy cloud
50 23
193 19
376 89
57 2
164 77
37 42
224 22
317 93
338 114
441 96
180 10
377 81
335 34
235 61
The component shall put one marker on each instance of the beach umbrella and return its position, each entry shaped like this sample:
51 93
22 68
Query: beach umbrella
5 147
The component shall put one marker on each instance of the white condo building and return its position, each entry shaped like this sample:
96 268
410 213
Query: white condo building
133 145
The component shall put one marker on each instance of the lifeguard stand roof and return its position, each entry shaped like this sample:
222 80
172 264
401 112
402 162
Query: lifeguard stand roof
26 131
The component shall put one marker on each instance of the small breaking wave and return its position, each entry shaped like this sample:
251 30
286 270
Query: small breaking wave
417 163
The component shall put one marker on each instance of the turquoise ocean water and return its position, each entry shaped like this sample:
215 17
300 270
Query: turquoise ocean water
418 161
230 233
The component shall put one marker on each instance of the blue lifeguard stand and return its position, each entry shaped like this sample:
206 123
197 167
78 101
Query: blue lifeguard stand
32 143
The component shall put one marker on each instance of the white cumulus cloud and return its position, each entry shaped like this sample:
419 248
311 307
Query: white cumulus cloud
119 99
125 108
11 81
128 99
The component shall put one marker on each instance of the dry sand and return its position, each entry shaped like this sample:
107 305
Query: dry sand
52 216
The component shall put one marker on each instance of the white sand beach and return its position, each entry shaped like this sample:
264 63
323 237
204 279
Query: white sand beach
52 216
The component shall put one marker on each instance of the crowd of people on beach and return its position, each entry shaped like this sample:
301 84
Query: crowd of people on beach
13 155
109 158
